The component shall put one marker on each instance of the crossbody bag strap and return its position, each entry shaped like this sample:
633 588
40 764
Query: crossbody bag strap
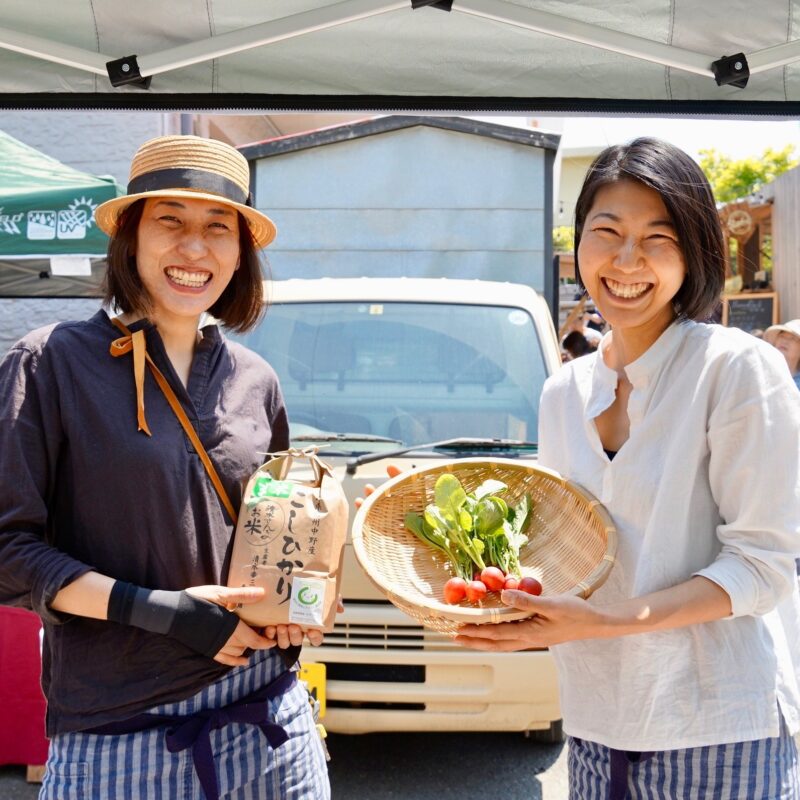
136 343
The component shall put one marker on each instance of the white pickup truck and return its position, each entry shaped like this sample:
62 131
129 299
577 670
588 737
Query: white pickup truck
406 371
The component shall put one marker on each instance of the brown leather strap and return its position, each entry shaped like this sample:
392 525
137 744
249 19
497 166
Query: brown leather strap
135 342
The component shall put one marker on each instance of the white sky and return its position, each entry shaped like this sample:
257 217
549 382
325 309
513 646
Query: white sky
731 137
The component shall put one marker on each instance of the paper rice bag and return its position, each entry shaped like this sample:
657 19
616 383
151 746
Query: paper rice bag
290 540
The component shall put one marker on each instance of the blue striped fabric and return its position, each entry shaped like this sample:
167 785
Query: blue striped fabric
765 769
138 766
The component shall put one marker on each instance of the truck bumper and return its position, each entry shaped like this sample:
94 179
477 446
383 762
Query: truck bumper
443 687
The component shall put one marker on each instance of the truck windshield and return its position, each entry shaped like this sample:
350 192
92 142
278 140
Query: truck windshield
407 372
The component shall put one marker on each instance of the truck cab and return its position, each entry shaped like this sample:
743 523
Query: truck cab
410 371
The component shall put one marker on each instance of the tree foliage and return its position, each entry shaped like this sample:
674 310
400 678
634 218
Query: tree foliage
563 239
733 179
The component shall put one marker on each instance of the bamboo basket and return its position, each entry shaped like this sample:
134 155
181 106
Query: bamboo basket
571 540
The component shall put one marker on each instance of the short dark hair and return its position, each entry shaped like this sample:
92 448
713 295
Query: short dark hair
576 344
238 308
689 201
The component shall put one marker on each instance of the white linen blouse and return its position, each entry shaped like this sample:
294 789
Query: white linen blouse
708 483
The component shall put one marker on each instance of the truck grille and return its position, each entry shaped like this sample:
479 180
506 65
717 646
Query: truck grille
386 637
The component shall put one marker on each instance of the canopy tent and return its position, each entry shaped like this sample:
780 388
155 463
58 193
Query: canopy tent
47 228
683 56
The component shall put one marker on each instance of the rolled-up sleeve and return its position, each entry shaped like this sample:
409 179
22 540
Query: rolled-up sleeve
754 473
32 570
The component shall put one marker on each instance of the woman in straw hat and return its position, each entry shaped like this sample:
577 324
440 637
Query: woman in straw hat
116 521
679 676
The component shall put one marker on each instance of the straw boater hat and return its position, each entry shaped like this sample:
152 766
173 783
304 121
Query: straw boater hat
792 326
191 167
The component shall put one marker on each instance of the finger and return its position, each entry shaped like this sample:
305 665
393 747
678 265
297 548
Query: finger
296 635
245 636
503 631
524 601
231 661
369 488
339 605
358 502
393 470
240 594
270 632
489 645
315 637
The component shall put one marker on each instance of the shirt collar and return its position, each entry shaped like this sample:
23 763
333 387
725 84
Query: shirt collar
604 379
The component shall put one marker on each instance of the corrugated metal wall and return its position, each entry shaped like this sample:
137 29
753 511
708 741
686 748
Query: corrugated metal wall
419 201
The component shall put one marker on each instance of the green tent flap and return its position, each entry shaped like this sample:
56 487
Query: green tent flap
46 207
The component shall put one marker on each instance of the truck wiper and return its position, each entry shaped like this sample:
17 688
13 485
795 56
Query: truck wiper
344 437
447 444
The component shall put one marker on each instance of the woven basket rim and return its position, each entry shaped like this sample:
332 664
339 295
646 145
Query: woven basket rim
466 614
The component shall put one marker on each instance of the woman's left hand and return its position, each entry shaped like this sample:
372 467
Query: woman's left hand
286 635
557 619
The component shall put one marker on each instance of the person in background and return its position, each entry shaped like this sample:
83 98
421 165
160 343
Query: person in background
111 527
786 338
679 675
575 345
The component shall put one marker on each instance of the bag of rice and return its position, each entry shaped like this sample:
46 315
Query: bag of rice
290 540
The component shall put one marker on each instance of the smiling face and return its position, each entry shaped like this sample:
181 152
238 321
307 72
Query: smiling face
630 260
789 346
186 254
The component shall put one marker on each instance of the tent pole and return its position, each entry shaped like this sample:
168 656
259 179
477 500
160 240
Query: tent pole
771 57
265 33
585 33
65 54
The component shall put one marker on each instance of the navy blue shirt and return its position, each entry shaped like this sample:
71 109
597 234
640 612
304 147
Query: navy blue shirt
81 489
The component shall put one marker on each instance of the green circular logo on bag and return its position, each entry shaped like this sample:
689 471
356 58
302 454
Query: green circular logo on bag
303 597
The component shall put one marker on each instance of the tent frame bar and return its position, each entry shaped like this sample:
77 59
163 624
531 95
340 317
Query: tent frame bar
352 10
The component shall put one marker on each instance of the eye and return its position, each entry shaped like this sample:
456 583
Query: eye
220 226
603 229
169 219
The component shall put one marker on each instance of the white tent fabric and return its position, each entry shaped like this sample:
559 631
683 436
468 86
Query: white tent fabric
629 50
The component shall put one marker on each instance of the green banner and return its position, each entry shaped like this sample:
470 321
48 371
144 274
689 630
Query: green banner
46 207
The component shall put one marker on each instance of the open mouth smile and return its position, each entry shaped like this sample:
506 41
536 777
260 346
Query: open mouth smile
190 279
626 291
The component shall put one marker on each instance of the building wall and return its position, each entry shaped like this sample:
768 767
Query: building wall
419 201
573 171
19 315
101 143
786 243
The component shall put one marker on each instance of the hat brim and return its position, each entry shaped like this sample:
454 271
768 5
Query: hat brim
262 228
771 333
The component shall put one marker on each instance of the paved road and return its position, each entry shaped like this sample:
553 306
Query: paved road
418 766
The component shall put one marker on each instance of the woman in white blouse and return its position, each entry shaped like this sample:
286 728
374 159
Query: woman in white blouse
679 676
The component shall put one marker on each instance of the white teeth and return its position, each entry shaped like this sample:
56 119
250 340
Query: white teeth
184 278
626 290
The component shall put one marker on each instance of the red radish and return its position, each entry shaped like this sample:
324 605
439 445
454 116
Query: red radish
530 585
511 582
476 590
455 590
493 578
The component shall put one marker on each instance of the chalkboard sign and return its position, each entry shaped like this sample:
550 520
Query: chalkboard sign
751 311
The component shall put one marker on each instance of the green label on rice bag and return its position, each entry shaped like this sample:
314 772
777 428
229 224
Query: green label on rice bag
268 487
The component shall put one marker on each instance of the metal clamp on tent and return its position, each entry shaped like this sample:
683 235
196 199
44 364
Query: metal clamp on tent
444 5
731 70
126 72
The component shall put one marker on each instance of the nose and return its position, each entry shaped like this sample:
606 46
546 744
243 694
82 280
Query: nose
192 244
629 257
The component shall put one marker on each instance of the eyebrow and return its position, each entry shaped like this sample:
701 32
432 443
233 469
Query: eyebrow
175 204
656 223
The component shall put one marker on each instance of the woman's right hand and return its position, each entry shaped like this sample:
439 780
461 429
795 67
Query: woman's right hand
244 637
392 471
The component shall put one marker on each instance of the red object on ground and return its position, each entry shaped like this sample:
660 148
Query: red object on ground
22 739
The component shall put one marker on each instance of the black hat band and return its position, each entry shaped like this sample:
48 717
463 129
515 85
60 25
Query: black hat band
193 179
